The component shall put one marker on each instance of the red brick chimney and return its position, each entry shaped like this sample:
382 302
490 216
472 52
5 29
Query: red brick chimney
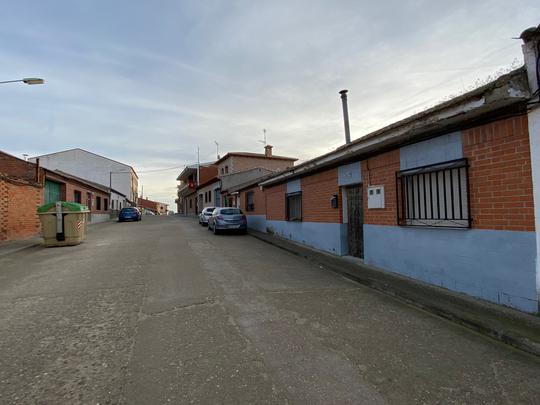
268 150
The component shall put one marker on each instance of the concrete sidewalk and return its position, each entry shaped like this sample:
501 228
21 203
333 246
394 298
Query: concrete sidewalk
515 328
13 246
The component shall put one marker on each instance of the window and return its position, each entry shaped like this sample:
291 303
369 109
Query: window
98 203
190 203
230 211
89 200
209 195
226 169
293 206
222 170
250 203
434 196
106 204
77 196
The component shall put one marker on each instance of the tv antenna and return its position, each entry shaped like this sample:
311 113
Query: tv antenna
217 149
263 141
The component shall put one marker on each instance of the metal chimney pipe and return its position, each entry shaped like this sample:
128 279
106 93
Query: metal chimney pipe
345 115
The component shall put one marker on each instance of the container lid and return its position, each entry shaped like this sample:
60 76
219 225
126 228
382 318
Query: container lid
66 206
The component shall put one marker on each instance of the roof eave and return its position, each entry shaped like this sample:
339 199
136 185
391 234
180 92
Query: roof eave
448 115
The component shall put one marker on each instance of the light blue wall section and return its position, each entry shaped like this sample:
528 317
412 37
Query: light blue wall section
257 222
293 186
349 174
319 235
498 266
436 150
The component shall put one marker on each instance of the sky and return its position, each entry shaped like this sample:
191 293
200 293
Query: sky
147 82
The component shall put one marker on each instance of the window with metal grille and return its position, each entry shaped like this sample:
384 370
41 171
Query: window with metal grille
293 207
434 196
250 201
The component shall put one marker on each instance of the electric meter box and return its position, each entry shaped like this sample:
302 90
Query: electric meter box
375 197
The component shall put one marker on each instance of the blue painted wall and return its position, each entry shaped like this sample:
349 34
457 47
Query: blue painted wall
436 150
498 266
319 235
349 174
257 222
293 186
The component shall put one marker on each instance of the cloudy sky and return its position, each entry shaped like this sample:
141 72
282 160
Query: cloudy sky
146 82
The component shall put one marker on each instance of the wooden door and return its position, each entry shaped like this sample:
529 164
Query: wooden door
355 226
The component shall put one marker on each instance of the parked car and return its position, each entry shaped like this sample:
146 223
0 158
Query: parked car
205 214
129 214
227 219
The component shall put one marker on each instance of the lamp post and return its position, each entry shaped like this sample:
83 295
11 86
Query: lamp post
28 80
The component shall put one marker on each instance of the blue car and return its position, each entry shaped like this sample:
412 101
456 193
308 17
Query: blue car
129 214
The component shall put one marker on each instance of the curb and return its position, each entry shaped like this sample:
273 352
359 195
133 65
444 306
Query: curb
18 249
504 324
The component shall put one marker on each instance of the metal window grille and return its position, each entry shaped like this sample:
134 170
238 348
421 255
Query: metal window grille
434 196
294 206
250 204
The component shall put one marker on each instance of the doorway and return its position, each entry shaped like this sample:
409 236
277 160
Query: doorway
355 224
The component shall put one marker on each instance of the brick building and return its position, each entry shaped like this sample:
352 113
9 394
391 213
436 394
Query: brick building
60 186
236 168
21 192
235 162
449 196
187 200
152 206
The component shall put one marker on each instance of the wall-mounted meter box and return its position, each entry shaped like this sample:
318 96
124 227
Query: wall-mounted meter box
375 197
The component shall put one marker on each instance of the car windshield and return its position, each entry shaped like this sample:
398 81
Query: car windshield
231 211
209 210
129 210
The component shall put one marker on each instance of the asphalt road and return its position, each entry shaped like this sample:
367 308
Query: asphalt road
162 311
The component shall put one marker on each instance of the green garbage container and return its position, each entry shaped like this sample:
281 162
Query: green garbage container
63 223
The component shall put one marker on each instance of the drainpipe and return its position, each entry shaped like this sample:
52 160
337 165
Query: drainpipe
345 115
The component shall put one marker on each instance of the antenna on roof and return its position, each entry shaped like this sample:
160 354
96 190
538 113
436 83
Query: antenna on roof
264 140
217 149
25 156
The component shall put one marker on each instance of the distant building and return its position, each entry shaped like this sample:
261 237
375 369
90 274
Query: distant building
212 189
152 206
96 168
187 201
235 162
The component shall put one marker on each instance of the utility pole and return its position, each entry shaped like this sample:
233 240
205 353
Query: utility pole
198 167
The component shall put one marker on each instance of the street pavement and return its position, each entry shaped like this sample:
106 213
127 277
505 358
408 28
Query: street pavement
162 311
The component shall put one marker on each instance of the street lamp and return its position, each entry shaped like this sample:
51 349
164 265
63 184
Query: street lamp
28 80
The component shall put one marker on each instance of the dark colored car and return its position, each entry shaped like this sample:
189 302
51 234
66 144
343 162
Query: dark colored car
205 214
227 219
129 214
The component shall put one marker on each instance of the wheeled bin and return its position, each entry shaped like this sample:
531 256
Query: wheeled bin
63 223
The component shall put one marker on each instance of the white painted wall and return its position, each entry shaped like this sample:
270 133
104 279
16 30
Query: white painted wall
534 139
94 168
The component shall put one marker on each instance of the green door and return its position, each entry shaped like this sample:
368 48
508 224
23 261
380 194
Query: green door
52 191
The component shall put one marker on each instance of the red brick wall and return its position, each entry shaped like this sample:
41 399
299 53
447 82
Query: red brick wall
18 204
15 167
68 188
500 181
275 202
207 173
381 171
317 192
259 201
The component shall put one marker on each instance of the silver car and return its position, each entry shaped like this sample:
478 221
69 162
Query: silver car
204 215
227 219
